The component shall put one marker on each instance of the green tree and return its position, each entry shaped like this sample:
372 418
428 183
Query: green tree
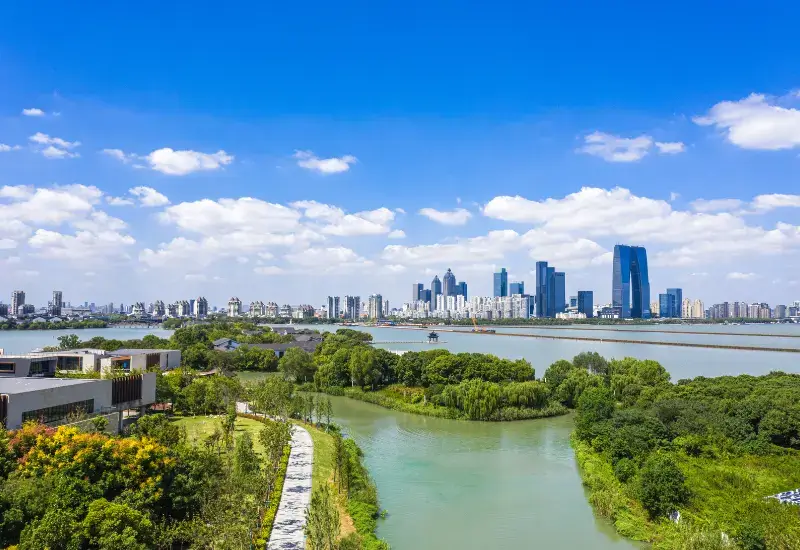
594 405
160 428
557 373
297 364
109 525
592 362
245 458
661 486
322 521
69 341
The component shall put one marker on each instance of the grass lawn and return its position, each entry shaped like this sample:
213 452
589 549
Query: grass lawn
248 376
200 427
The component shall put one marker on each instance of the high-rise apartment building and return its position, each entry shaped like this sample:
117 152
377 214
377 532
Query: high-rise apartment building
158 309
375 306
200 307
386 308
417 290
501 284
352 308
630 286
585 303
333 307
57 303
436 290
257 309
234 307
17 301
517 287
449 284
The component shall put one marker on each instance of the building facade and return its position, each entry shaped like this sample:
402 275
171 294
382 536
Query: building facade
333 307
585 303
517 287
375 306
541 289
436 290
57 303
630 287
17 301
449 284
501 284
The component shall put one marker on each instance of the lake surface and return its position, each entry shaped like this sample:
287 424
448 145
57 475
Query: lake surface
475 485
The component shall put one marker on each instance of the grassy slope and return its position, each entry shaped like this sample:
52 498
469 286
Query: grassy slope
200 427
726 493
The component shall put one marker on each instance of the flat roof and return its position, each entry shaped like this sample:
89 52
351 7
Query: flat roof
11 386
139 351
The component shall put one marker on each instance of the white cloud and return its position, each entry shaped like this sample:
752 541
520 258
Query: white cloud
54 147
338 223
397 234
18 192
492 246
120 155
7 244
333 165
269 270
195 277
53 152
755 123
616 149
673 196
28 273
52 206
33 112
327 259
242 259
736 275
399 210
149 197
459 216
6 148
89 274
181 163
670 148
715 205
764 203
395 268
118 201
83 245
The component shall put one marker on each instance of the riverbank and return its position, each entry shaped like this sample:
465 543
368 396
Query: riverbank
356 498
411 400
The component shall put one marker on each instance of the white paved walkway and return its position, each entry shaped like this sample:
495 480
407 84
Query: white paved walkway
290 521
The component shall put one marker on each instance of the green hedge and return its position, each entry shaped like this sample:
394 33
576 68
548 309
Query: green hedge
274 500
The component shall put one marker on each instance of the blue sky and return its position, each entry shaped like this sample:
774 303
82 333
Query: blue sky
427 137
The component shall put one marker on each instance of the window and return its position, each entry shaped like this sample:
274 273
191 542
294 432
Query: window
59 412
41 368
7 367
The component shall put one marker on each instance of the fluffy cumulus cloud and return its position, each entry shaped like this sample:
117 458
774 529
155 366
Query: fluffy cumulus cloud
173 163
337 258
4 148
619 149
459 216
764 203
715 205
149 197
333 165
54 147
33 111
755 122
739 276
332 220
397 234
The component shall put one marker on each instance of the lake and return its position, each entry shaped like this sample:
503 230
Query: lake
23 341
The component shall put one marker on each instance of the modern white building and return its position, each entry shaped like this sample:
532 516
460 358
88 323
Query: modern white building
234 307
200 307
46 364
55 400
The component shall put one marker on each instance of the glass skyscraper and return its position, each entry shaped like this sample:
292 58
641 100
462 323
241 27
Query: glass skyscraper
586 302
630 286
417 290
449 284
461 289
501 283
677 294
516 288
541 289
436 289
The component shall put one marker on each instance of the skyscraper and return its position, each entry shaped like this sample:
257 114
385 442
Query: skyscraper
516 288
448 284
675 302
352 307
630 286
436 290
541 289
200 307
586 302
17 301
55 307
461 289
666 305
333 307
375 306
417 290
559 292
501 283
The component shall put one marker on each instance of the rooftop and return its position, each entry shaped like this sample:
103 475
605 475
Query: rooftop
11 386
139 351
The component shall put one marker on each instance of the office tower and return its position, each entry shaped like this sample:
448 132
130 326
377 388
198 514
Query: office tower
200 307
675 302
541 289
573 301
461 289
425 295
110 308
436 290
585 302
17 301
559 293
234 307
630 286
3 310
780 312
449 284
416 292
333 307
501 284
386 308
191 306
666 305
375 306
55 306
516 288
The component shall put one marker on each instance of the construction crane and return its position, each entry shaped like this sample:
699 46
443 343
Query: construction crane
479 329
